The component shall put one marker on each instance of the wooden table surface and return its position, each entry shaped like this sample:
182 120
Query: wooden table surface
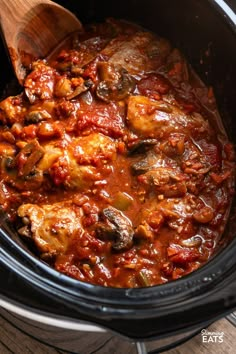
12 340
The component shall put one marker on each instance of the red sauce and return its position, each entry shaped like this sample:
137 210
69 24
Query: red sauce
113 163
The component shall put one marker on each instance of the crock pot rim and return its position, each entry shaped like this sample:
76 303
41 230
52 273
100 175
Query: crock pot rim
48 319
225 10
205 278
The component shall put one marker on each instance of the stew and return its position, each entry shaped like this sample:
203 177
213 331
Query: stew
114 166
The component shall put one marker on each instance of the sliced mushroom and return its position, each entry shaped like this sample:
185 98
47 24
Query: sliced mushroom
28 157
8 164
149 162
21 170
117 227
174 146
32 181
204 215
83 87
194 241
37 116
25 232
107 72
141 146
63 87
115 85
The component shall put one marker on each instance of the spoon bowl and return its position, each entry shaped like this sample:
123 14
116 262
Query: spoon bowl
31 29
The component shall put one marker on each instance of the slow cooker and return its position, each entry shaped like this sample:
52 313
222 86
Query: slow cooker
32 290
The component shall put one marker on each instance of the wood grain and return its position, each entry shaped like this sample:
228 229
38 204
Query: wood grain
33 28
12 340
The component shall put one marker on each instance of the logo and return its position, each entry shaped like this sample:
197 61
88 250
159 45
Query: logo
212 337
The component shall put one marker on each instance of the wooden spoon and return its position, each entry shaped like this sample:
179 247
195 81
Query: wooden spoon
33 28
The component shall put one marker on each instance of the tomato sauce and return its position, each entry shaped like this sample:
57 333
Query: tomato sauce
113 167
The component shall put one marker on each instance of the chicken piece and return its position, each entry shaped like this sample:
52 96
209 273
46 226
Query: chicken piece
6 149
92 148
39 84
76 165
179 209
50 226
87 157
148 228
196 158
117 227
168 182
12 110
178 213
138 53
150 118
80 163
52 151
86 47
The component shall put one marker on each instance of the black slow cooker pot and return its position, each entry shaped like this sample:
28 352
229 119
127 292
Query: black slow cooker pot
192 302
